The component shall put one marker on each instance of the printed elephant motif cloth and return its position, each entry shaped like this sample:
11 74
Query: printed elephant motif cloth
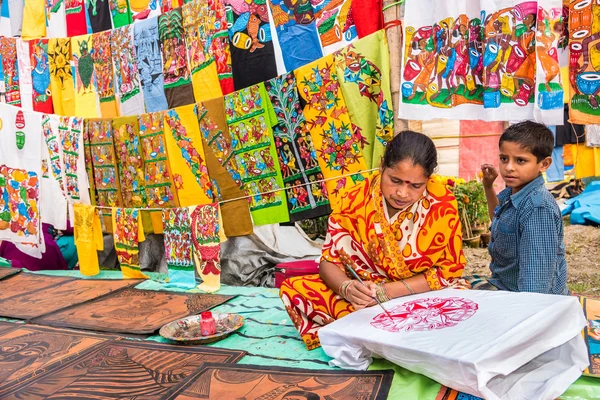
40 76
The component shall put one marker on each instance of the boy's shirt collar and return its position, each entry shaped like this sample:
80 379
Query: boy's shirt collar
523 193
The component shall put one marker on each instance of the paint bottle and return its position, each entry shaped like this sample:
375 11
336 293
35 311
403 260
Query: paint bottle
207 324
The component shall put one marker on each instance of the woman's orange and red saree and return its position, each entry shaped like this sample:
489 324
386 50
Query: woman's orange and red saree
425 238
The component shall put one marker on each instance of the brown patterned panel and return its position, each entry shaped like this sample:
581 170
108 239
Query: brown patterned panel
29 350
252 382
26 282
6 272
6 326
54 298
133 311
121 370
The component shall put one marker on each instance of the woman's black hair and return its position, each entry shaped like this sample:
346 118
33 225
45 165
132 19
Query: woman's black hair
411 146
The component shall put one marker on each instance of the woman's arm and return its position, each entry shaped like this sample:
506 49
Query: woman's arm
359 295
417 283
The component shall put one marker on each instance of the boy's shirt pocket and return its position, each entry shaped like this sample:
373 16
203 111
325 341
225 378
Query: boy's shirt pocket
504 243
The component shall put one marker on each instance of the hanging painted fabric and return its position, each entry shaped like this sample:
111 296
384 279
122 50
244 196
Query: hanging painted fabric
106 178
121 13
160 189
249 122
61 76
168 5
8 54
40 76
127 235
186 157
206 238
149 63
86 96
218 151
131 98
338 141
216 39
4 19
89 166
76 18
252 52
105 77
34 14
144 9
178 248
20 172
363 70
16 16
306 196
99 14
56 19
367 16
87 233
335 24
24 66
54 201
129 158
296 31
205 80
178 86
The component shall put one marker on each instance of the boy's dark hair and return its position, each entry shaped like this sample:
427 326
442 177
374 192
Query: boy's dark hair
413 146
533 136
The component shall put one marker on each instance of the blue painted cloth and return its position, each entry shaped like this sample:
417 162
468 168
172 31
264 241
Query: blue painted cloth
585 207
556 172
299 44
147 49
527 247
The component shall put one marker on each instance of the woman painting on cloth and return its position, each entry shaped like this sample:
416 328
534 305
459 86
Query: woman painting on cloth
399 230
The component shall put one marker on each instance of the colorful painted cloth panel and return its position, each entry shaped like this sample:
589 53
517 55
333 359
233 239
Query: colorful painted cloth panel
363 70
205 80
206 229
296 32
61 77
87 232
218 151
98 12
75 17
56 20
160 189
10 70
53 207
307 195
149 63
105 77
53 141
144 9
178 247
404 246
335 24
86 95
367 16
252 52
456 61
339 143
35 17
121 13
131 98
178 86
249 121
71 131
128 150
168 5
186 157
24 67
40 76
591 334
20 174
127 234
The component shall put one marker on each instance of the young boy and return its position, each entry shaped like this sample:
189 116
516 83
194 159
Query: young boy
527 248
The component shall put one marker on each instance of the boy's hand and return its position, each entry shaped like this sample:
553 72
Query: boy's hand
489 175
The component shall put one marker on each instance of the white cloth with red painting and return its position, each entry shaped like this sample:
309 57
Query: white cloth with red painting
495 345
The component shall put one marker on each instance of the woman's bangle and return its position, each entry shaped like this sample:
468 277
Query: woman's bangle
344 288
407 286
381 293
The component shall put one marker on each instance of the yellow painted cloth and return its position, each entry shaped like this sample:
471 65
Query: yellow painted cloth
586 161
85 79
128 235
424 239
337 140
35 16
105 77
128 150
207 228
363 71
205 78
87 233
61 76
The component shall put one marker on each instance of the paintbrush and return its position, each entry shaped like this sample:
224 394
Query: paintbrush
353 272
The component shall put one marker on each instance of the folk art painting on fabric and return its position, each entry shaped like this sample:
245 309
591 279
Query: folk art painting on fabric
335 24
98 12
250 121
178 247
71 132
339 143
363 71
40 76
56 23
206 238
75 17
482 59
302 176
10 71
127 235
252 51
24 68
53 183
121 13
105 77
61 76
87 232
130 162
85 78
131 98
